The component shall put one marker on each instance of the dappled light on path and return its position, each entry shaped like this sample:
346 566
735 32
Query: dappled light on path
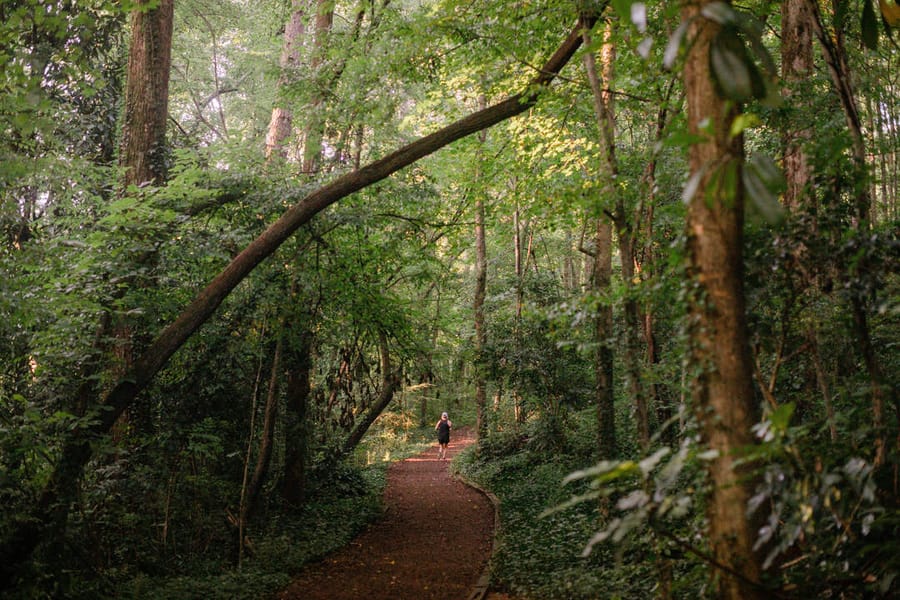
432 542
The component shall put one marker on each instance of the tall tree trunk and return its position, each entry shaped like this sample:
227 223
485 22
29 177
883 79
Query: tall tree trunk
518 400
838 67
267 436
143 148
722 390
626 234
478 308
796 66
22 537
604 397
645 262
314 129
299 369
143 145
601 275
281 123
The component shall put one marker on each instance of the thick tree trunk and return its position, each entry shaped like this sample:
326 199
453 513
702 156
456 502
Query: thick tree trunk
293 488
626 234
23 537
143 153
143 148
313 131
604 396
723 387
796 65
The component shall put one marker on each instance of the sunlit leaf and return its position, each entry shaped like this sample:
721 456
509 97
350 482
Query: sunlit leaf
734 73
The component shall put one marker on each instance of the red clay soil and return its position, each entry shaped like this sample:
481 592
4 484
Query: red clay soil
433 541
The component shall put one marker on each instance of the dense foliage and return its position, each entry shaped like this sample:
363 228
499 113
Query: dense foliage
229 464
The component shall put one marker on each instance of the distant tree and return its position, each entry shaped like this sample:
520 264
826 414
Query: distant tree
602 250
281 122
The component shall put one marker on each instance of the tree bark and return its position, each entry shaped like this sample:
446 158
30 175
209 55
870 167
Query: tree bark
24 536
836 59
478 308
601 274
299 366
281 123
796 66
264 452
143 148
722 391
313 131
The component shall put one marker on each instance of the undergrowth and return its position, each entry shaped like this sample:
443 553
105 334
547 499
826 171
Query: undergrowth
289 541
543 555
344 499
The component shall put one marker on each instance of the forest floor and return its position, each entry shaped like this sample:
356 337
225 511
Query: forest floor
433 541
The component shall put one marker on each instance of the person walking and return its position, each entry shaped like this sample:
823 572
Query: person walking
443 427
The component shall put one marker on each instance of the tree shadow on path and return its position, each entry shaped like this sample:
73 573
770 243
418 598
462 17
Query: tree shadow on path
432 542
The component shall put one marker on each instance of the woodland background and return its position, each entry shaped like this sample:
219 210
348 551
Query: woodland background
251 250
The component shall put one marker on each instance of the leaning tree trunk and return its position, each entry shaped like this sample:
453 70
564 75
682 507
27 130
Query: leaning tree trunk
390 381
21 538
722 390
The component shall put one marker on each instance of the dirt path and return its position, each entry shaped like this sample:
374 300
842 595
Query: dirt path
433 541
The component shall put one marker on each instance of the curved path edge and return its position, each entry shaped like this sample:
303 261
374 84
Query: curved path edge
436 536
483 585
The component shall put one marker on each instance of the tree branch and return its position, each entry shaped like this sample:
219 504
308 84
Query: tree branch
53 505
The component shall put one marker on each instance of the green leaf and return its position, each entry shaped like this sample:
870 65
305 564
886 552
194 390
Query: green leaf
762 180
734 73
622 8
781 416
743 122
690 189
648 464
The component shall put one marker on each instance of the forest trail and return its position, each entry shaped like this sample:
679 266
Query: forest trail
433 541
